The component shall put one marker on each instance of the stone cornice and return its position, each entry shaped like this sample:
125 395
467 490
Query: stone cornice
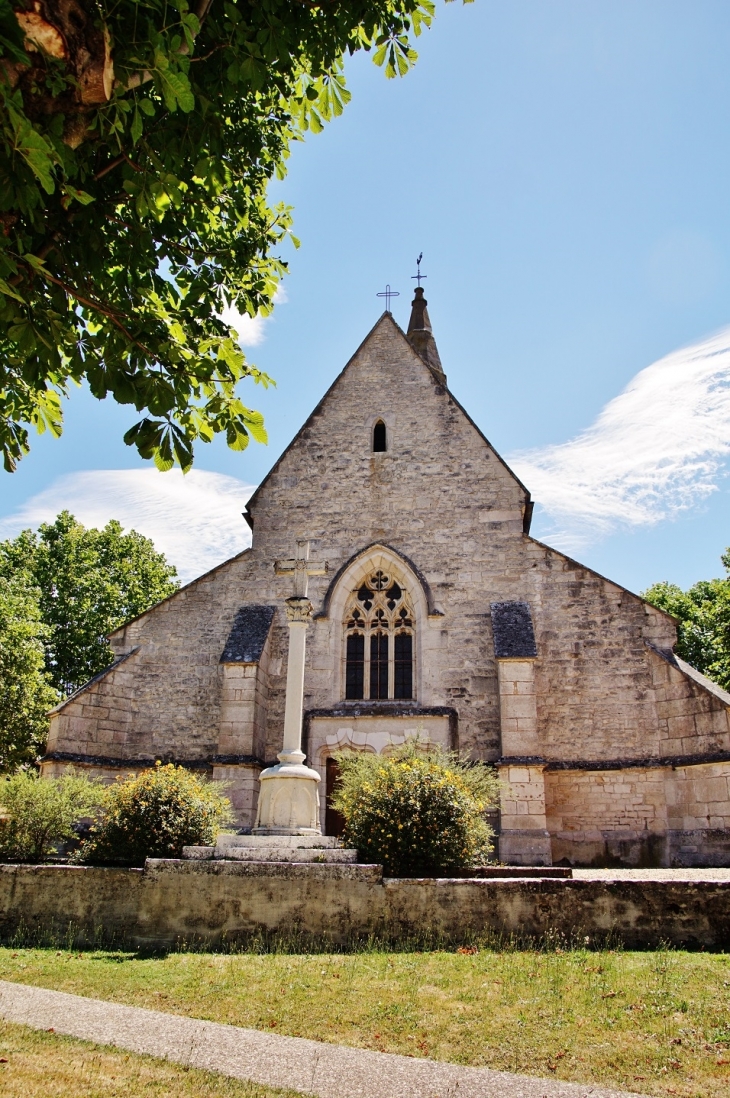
648 762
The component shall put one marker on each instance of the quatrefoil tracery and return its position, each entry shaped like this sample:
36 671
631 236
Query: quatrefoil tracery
380 603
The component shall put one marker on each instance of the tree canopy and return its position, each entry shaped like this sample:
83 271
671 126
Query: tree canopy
703 622
26 693
87 582
137 140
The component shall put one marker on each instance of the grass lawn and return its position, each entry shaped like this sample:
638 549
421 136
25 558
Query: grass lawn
41 1065
658 1023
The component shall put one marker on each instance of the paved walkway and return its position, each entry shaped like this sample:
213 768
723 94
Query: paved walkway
675 875
310 1067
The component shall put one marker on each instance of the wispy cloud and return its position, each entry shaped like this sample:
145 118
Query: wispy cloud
654 451
195 520
251 330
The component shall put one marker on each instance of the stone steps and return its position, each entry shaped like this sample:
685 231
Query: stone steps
274 848
285 842
269 854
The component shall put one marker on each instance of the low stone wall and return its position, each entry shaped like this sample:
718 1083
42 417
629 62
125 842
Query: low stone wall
171 902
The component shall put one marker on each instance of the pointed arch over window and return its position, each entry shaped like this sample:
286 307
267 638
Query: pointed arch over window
380 438
379 631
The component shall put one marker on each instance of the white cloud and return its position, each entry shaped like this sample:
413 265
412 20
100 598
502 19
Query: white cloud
251 330
195 520
657 449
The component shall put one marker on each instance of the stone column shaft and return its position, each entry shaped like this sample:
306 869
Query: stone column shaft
294 690
289 791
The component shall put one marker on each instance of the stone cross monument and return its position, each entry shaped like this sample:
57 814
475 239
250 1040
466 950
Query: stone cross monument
289 791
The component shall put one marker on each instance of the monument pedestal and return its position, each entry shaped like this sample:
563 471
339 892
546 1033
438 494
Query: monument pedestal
288 799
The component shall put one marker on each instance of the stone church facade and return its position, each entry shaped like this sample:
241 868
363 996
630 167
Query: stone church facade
439 618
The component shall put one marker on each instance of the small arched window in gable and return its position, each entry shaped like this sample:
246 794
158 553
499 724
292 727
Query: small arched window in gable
379 438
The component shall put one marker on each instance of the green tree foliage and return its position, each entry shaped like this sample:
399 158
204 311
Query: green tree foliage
155 815
703 622
26 694
137 140
37 814
417 813
89 582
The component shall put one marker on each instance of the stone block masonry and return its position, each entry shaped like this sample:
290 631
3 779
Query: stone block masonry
173 902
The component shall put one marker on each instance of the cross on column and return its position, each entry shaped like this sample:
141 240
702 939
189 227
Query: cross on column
301 567
288 793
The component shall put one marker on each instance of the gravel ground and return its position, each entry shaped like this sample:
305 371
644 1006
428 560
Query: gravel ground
311 1067
651 874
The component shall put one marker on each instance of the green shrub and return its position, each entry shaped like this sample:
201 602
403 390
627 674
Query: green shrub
39 813
418 813
154 816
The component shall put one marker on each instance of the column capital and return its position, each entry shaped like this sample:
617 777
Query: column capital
298 610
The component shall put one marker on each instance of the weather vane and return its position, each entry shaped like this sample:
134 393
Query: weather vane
419 276
387 293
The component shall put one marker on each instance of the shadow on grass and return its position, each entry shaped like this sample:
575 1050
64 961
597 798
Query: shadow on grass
295 941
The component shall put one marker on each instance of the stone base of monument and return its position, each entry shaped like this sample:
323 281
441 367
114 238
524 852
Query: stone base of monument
274 848
288 798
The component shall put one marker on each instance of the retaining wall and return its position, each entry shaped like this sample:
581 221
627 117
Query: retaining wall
169 902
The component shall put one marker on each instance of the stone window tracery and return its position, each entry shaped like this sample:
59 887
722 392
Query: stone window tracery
379 631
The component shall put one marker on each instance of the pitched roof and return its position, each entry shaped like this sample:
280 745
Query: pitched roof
248 634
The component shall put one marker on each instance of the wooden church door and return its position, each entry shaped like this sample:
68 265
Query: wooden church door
334 821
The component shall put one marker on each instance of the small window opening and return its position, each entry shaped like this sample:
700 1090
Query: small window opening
378 666
355 683
403 665
379 438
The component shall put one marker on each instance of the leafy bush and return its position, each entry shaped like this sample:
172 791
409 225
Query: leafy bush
418 813
40 813
154 816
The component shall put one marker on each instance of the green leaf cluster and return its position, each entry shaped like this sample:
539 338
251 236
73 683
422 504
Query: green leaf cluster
417 813
703 622
26 693
39 814
126 228
87 582
155 815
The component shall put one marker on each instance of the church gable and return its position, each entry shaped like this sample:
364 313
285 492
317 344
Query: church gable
386 441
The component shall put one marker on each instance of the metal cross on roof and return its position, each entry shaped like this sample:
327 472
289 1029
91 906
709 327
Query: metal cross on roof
419 276
387 293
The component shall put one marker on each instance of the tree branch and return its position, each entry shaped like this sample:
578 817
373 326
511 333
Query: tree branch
115 164
98 307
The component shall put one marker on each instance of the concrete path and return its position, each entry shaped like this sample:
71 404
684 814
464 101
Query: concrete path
674 875
310 1067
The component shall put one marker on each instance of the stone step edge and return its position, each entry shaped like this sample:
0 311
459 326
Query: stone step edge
302 842
340 855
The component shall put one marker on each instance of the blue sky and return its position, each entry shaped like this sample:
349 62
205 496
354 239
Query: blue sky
564 167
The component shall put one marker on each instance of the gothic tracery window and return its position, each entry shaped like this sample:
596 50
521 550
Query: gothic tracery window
379 629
